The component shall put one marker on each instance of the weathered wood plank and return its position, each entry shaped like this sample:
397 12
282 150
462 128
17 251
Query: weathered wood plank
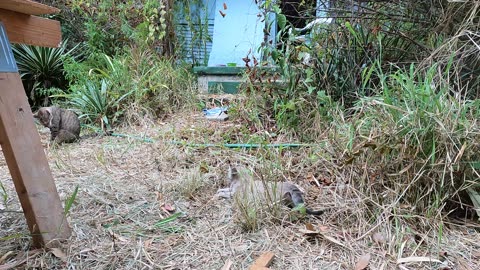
33 30
28 164
262 262
27 7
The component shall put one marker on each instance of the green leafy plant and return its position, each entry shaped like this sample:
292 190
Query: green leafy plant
320 72
97 103
112 26
41 68
136 85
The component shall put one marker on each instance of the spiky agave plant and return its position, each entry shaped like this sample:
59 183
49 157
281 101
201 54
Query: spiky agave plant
97 103
41 68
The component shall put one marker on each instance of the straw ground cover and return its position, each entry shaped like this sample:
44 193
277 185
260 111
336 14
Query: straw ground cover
121 216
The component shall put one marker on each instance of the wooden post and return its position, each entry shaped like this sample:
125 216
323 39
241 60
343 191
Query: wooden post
19 137
28 164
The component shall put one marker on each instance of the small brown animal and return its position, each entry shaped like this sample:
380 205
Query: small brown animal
286 192
64 124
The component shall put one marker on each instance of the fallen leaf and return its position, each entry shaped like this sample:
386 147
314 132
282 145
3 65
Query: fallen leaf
378 238
224 5
168 208
221 13
309 227
311 231
363 262
59 254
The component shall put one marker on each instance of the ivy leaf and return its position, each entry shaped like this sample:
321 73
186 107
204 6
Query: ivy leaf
282 21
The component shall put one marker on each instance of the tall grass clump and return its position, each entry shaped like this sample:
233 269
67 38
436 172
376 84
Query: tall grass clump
254 209
413 143
191 185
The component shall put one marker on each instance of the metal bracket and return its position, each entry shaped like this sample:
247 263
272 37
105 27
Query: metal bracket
7 61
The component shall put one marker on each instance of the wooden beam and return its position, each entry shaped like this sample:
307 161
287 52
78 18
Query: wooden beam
27 7
33 30
28 164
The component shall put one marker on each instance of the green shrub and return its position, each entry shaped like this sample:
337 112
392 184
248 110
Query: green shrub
130 86
41 68
112 25
97 103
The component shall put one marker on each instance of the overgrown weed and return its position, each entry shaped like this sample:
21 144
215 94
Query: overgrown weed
411 144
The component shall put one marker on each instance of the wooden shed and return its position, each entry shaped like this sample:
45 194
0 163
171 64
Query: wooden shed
222 33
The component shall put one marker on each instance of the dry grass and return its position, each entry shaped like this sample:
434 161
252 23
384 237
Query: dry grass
125 185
